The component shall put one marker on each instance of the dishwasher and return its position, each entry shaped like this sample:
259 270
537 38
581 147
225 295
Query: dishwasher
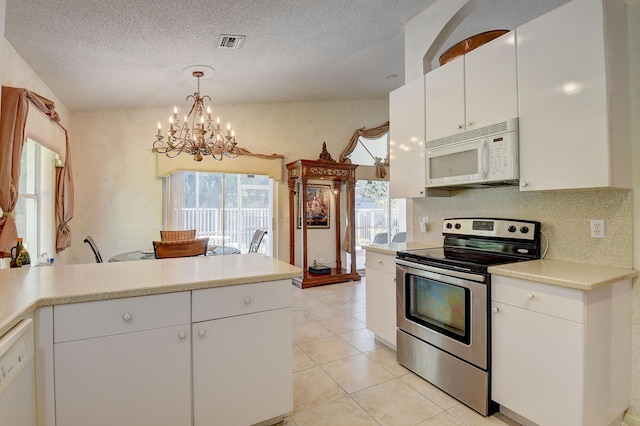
17 376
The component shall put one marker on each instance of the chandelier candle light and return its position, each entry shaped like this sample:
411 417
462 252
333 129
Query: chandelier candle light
197 134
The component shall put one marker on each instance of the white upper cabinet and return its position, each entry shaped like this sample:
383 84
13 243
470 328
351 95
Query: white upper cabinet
490 82
406 140
473 91
573 98
444 100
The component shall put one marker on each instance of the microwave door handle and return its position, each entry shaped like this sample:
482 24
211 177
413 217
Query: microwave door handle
483 166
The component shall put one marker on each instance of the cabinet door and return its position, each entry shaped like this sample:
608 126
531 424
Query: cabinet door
563 99
444 100
406 140
242 368
140 378
381 304
538 365
490 83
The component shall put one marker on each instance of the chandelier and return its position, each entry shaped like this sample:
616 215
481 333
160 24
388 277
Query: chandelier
197 134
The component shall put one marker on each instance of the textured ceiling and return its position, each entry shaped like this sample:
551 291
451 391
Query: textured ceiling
97 54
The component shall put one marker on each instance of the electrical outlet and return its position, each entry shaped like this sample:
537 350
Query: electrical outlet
597 228
424 225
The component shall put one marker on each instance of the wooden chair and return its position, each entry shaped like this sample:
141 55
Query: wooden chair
180 248
256 240
183 234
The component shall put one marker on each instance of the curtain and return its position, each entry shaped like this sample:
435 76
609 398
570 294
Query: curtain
15 108
380 164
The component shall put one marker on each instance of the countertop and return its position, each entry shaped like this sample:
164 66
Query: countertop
22 290
579 276
393 248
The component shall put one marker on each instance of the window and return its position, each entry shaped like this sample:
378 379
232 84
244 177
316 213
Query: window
227 208
35 209
367 149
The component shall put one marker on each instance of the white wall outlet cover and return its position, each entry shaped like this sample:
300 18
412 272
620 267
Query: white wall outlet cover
597 228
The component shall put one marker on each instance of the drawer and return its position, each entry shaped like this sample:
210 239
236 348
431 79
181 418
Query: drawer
547 299
381 262
221 302
109 317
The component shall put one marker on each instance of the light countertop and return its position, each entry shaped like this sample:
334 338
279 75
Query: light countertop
393 248
578 276
22 290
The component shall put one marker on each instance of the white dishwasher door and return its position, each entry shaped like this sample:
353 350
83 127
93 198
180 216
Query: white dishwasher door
17 389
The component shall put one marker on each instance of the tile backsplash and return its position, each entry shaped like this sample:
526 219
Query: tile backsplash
565 218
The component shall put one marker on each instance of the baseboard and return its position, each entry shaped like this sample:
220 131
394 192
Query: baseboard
631 420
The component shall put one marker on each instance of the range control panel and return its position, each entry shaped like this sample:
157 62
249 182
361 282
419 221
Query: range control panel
499 228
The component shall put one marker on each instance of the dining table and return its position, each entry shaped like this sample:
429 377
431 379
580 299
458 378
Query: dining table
147 254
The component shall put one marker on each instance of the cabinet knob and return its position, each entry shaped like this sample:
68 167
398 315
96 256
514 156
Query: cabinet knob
460 126
127 316
530 296
182 334
469 123
247 300
202 332
523 184
495 309
380 262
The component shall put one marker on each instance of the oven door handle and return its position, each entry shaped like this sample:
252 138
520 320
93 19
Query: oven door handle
442 271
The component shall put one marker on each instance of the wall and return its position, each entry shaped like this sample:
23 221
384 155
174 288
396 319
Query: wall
119 198
633 25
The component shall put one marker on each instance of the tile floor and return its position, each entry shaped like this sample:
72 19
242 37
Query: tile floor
343 376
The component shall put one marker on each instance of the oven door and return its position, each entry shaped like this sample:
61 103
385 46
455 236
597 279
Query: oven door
444 308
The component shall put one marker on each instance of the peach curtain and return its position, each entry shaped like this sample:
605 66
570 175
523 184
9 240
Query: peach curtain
15 108
380 163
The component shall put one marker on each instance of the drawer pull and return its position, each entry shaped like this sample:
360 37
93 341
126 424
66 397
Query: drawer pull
530 296
202 332
380 262
247 300
127 316
182 334
495 309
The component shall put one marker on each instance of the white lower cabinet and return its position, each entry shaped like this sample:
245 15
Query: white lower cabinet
218 356
381 297
109 372
560 356
242 362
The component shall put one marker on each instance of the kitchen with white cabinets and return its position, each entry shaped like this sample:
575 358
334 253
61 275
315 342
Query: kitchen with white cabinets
575 166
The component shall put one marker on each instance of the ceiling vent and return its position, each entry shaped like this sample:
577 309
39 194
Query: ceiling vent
228 41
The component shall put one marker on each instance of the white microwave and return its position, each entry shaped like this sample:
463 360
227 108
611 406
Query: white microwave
482 157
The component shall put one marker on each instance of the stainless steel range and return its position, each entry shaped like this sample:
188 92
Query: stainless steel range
443 299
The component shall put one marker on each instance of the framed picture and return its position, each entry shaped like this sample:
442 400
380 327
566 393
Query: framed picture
317 206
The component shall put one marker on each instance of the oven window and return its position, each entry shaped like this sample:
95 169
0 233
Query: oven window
442 307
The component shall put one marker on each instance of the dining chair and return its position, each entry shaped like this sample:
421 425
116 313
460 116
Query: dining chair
382 238
256 240
94 247
400 237
180 248
182 234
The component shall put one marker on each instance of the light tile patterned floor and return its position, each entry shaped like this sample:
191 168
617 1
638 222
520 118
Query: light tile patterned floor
343 376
